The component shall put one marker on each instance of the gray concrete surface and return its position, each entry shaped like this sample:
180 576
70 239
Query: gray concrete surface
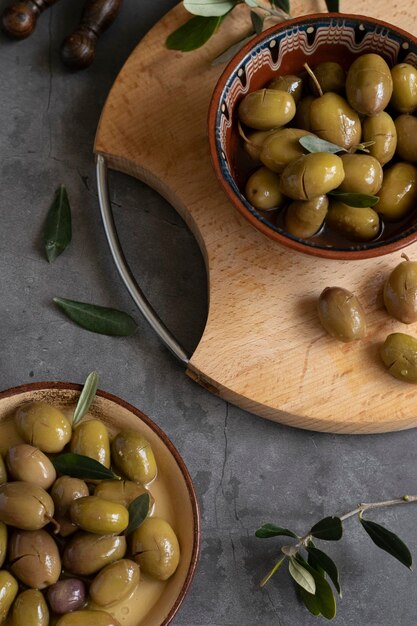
246 470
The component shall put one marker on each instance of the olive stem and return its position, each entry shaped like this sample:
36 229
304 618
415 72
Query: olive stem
378 505
57 525
314 77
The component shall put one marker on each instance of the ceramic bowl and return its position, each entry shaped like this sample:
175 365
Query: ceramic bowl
284 49
155 603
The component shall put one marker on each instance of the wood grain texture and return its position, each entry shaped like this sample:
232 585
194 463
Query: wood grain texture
263 347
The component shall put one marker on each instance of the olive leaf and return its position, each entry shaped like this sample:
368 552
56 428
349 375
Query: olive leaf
326 602
138 511
329 529
301 576
257 22
272 572
209 8
332 6
84 467
58 230
360 200
86 397
388 541
315 144
310 602
284 5
270 530
98 319
318 559
193 34
251 3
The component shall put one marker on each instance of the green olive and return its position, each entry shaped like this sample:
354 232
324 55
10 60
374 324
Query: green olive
253 143
3 472
133 456
341 314
331 77
91 439
88 618
304 218
30 609
29 464
332 119
406 126
302 116
155 547
121 491
312 175
25 505
359 224
282 147
404 91
263 190
399 354
381 130
43 426
87 553
369 84
290 83
398 194
34 558
266 109
115 582
8 592
96 515
64 491
400 292
363 174
3 542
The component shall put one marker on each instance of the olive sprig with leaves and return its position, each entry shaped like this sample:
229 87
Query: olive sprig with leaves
311 568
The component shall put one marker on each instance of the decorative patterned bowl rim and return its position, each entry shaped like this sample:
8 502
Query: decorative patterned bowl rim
362 250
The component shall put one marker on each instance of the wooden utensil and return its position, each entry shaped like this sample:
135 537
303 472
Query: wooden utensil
19 19
78 49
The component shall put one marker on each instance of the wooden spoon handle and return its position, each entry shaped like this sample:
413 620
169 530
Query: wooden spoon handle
19 19
78 49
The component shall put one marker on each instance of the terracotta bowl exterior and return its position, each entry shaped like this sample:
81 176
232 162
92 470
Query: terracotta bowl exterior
284 49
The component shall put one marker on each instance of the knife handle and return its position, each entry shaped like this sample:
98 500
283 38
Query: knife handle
78 49
19 19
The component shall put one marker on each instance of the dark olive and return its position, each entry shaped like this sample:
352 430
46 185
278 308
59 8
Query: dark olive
290 83
282 147
381 130
369 84
87 553
399 354
96 515
404 92
34 558
266 109
341 314
406 126
263 190
3 472
133 456
115 582
88 618
25 505
90 438
398 194
302 116
363 174
312 175
29 464
30 609
400 292
331 77
42 425
304 218
155 547
67 595
357 223
8 592
332 119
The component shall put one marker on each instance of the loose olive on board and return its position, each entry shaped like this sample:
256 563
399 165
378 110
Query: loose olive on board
90 438
356 223
332 119
155 548
290 83
133 456
34 558
312 175
302 115
96 515
87 553
399 354
331 77
304 218
42 425
406 126
25 505
363 174
398 194
266 108
253 143
66 595
121 491
3 471
400 292
380 129
404 88
282 147
29 464
115 582
8 592
88 618
369 84
263 190
30 609
341 314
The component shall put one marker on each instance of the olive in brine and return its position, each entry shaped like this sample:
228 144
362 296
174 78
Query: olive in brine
87 553
380 129
399 354
96 515
341 314
312 175
133 456
404 90
304 218
369 84
30 609
25 505
332 119
8 592
302 116
3 542
115 582
363 174
290 83
34 558
67 595
88 618
398 194
406 126
357 223
331 77
266 109
121 491
155 547
400 292
252 143
64 491
43 426
90 438
29 464
263 190
282 147
3 472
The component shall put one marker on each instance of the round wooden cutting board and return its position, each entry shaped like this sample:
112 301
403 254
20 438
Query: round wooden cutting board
263 347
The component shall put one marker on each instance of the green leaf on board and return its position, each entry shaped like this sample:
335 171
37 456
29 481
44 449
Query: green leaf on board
360 200
80 466
98 319
302 577
86 397
326 602
270 530
329 529
193 34
388 541
272 572
58 225
332 6
315 144
318 559
284 5
138 511
257 22
209 8
310 602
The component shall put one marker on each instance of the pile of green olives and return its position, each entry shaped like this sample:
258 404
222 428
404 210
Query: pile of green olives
369 112
64 557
